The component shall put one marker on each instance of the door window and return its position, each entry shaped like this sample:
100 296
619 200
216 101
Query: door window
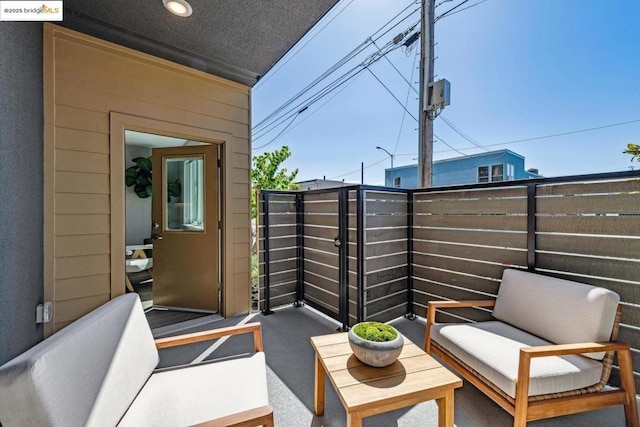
184 193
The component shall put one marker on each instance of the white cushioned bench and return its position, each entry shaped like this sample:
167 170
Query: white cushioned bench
549 335
100 371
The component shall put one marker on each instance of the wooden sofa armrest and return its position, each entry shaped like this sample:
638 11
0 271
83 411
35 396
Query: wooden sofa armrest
624 363
431 314
262 416
211 334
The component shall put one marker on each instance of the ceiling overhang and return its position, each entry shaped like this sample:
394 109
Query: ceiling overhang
236 39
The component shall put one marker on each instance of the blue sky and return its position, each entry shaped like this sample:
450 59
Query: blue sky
518 69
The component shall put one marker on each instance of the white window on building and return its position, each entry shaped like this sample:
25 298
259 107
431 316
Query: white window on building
483 174
396 181
491 173
497 173
511 172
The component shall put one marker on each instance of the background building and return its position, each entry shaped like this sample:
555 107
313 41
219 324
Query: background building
500 165
316 184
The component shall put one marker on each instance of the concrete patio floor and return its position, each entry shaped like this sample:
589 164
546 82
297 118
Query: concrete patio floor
290 375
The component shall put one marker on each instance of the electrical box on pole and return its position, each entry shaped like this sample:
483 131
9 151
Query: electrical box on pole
440 95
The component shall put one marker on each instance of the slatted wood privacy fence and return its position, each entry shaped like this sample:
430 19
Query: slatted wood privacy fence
401 249
352 249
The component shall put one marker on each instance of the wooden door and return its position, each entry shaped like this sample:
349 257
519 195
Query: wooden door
185 227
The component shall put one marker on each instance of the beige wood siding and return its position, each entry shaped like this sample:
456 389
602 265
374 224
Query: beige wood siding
87 83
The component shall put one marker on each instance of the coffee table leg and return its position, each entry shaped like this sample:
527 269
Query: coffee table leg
445 409
354 420
319 387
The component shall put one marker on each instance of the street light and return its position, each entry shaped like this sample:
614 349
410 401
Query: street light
390 155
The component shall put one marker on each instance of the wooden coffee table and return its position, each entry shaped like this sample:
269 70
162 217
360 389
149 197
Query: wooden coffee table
364 390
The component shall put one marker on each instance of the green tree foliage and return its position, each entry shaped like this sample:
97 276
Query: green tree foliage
634 151
267 175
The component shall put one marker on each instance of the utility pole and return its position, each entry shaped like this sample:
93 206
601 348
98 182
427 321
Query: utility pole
425 145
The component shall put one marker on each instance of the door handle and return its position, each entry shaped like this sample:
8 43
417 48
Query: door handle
156 237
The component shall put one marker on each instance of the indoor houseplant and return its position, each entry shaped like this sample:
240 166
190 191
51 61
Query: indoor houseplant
375 343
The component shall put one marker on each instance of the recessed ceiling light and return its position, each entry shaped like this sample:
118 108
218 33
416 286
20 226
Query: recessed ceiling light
178 7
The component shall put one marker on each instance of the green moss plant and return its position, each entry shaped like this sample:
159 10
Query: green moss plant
375 331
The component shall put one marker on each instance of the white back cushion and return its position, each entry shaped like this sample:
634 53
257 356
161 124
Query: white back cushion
559 311
85 375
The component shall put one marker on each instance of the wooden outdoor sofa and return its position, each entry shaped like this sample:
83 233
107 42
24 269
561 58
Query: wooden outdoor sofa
101 371
549 351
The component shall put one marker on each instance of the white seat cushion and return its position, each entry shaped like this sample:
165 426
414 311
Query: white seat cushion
138 264
85 375
492 349
198 393
565 312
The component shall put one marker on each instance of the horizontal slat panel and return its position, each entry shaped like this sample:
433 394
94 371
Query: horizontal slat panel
383 248
602 204
321 245
378 221
278 231
285 265
502 255
321 232
481 193
470 206
388 302
326 220
484 222
488 238
327 208
282 300
381 207
278 254
628 185
455 278
322 257
376 292
282 242
624 270
279 277
279 219
282 207
372 195
376 277
388 315
372 236
451 264
313 197
320 270
613 225
385 262
602 246
84 120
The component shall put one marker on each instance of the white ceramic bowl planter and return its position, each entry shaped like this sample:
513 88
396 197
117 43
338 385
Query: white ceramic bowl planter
375 353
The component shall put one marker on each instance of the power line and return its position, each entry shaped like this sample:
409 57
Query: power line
353 72
450 10
406 102
462 10
392 94
447 144
270 118
459 132
501 143
282 131
270 74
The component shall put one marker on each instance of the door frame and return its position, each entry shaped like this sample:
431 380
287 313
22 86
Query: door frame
118 124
